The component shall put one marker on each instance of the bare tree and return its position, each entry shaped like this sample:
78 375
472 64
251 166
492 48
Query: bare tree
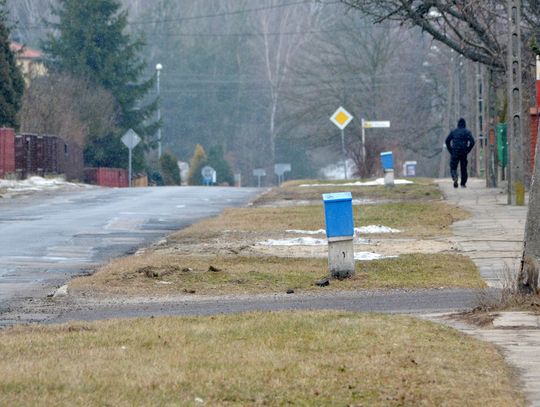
377 72
67 107
467 27
284 31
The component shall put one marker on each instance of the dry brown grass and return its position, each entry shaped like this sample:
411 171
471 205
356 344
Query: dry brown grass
162 273
226 243
422 189
416 219
304 358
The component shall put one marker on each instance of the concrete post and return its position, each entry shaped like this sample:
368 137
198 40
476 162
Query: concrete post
389 178
516 174
338 214
341 257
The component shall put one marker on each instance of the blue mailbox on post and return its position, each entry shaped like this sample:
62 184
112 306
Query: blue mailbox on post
338 214
387 160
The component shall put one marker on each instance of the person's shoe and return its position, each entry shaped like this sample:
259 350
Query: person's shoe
455 183
463 186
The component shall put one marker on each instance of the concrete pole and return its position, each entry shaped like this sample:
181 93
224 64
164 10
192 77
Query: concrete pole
490 113
479 114
159 67
363 145
448 119
344 153
516 174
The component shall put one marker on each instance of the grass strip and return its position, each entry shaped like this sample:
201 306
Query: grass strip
416 219
423 189
169 274
304 358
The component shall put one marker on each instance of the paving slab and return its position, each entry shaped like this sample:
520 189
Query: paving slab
493 239
517 334
493 236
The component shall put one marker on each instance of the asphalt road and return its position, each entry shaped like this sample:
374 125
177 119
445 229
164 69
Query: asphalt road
46 238
424 301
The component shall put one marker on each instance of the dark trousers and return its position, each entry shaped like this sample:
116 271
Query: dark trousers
460 159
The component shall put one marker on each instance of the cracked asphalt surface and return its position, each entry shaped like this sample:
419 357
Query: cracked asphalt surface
47 238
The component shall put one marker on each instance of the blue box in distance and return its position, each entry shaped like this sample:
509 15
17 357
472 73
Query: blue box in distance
338 214
387 160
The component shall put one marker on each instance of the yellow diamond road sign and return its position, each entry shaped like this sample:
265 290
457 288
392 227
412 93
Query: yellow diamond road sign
341 118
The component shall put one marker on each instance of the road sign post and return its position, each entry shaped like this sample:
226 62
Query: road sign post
368 124
209 175
280 170
259 172
130 140
341 118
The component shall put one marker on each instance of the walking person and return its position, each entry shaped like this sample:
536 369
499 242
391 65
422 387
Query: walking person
459 143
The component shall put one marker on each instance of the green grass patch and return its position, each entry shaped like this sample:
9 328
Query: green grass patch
304 358
160 274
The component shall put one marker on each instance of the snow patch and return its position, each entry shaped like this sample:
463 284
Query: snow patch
61 292
358 231
367 256
378 181
307 232
299 241
37 184
375 229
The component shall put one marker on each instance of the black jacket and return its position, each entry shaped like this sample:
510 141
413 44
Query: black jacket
460 141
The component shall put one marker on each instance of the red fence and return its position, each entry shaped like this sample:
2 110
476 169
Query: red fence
37 154
7 152
107 177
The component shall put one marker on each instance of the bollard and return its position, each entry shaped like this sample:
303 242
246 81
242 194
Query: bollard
340 233
387 162
388 178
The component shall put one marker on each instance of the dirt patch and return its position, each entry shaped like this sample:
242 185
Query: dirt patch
386 247
476 317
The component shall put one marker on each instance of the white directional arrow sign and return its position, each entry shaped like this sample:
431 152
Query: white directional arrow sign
376 125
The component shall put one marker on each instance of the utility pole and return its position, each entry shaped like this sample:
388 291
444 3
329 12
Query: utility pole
490 113
516 176
448 118
480 116
159 67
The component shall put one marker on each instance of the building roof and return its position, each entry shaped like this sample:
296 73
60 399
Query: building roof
24 52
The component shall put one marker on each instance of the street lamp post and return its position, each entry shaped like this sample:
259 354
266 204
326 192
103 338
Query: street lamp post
159 67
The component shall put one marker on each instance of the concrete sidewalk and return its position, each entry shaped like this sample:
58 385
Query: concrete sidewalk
493 238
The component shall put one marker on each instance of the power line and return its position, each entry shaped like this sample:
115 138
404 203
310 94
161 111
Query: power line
251 34
201 17
223 14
